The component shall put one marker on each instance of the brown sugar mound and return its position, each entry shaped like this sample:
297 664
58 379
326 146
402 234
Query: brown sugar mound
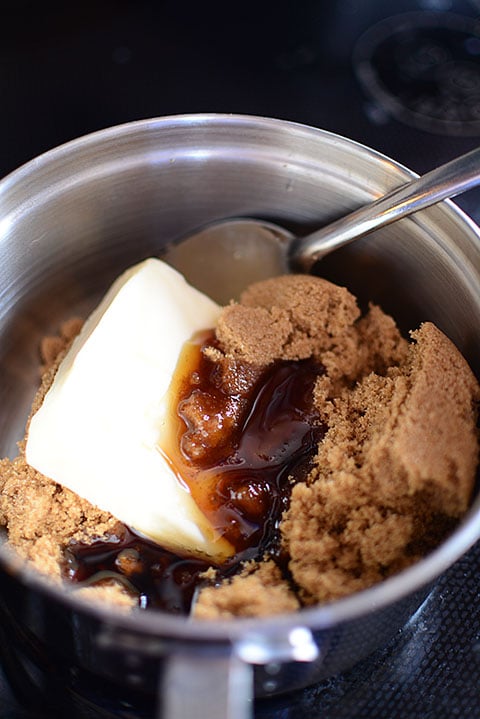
258 591
291 317
296 317
394 471
42 517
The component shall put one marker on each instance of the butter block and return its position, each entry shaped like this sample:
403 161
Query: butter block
99 429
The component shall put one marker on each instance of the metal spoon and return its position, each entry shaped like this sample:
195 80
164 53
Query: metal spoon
224 258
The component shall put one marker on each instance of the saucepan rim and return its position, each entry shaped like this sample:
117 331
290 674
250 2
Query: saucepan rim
351 608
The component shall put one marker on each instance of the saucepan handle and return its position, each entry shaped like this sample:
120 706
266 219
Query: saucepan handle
209 683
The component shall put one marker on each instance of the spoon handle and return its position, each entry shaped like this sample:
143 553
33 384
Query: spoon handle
448 180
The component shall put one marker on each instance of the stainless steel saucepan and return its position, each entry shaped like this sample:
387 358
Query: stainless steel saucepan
73 219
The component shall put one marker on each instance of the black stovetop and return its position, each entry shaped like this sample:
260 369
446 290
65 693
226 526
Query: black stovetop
402 77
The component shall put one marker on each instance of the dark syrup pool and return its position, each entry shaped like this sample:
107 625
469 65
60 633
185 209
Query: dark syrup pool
247 484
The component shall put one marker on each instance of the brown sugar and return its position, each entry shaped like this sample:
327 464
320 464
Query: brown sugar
392 474
258 591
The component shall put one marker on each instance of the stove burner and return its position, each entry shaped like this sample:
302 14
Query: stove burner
424 69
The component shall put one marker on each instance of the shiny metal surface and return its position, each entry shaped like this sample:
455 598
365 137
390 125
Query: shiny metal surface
449 180
70 221
231 254
224 258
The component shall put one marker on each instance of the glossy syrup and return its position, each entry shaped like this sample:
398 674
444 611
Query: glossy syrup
242 482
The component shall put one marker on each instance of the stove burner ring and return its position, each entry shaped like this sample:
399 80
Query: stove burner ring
423 68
